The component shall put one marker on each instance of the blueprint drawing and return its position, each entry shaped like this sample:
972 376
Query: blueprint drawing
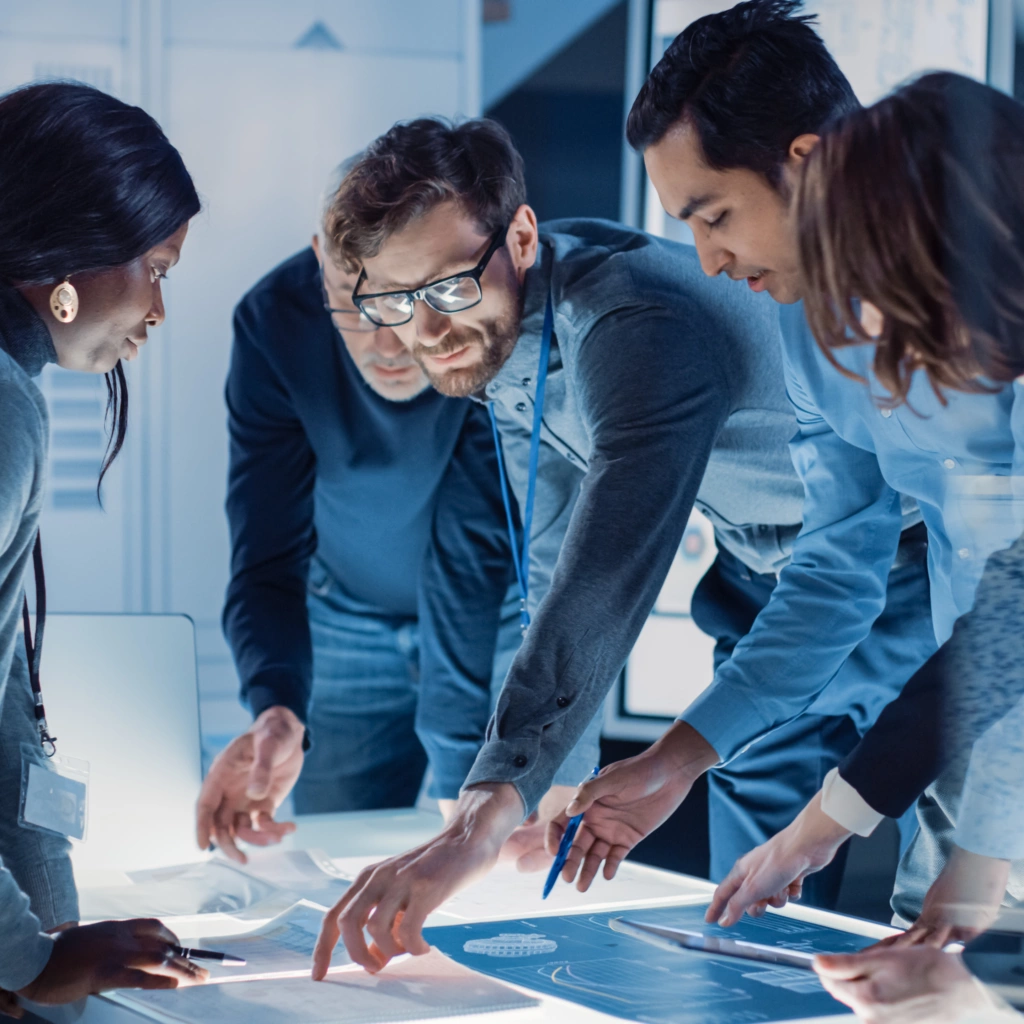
579 958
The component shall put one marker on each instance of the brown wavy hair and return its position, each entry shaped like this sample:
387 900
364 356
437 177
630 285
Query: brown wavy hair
916 205
412 168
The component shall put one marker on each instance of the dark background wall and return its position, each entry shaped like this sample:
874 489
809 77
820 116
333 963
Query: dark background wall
567 120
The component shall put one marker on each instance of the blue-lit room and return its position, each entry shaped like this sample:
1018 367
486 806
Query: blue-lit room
511 508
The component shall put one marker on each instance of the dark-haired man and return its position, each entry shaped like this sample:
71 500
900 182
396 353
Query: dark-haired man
626 386
725 120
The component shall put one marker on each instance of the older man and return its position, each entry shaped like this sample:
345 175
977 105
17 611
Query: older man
344 464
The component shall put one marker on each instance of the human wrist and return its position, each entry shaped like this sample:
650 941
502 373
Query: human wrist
281 720
825 829
487 814
684 753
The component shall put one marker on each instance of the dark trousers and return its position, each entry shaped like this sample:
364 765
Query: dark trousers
763 789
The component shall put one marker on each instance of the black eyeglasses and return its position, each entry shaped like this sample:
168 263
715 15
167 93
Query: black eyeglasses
345 319
449 295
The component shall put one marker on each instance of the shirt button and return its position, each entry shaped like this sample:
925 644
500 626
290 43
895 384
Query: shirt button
570 456
519 761
563 702
527 381
964 552
886 413
520 407
949 463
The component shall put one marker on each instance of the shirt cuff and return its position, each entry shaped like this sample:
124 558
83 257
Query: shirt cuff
726 719
26 963
846 807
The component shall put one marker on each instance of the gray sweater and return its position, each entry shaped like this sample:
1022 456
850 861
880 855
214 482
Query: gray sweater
37 888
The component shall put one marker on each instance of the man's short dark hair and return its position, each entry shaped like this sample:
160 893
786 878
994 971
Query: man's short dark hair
749 80
412 168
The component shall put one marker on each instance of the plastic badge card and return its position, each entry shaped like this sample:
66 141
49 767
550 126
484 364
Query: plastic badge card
54 793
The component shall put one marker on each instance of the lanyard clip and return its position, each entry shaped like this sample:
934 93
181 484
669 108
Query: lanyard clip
48 742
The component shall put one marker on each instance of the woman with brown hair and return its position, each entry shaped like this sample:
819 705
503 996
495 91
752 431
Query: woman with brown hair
910 218
916 207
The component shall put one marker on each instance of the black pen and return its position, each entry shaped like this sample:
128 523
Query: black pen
208 954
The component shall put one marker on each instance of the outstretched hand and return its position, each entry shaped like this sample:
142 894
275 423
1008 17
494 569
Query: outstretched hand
773 874
961 903
391 900
627 801
904 986
248 781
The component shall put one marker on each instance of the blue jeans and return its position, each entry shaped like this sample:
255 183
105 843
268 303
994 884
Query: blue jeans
762 790
365 753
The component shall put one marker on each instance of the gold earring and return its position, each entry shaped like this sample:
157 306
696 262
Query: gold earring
64 302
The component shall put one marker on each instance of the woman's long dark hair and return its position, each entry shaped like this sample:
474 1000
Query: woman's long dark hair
86 183
917 205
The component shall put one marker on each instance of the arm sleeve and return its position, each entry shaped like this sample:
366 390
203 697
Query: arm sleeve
651 440
39 861
970 683
827 598
24 949
270 513
991 819
462 587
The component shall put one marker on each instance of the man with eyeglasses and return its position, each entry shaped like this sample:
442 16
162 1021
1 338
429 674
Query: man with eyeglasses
343 464
625 387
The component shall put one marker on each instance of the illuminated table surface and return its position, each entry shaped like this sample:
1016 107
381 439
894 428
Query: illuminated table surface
384 833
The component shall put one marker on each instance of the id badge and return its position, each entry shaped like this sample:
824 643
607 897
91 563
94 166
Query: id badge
54 793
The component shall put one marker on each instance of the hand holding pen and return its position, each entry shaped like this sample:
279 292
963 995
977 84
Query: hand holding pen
564 846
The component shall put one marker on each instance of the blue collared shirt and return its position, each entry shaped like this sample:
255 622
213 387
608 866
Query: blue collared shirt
959 462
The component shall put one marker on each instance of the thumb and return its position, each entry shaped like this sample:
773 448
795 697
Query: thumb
265 749
589 792
553 833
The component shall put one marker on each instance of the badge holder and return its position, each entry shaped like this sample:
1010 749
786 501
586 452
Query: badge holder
54 793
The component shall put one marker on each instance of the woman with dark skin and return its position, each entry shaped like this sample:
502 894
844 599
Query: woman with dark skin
95 205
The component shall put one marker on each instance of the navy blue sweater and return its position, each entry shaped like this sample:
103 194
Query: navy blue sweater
321 464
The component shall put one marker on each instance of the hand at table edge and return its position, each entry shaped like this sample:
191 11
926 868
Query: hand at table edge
392 899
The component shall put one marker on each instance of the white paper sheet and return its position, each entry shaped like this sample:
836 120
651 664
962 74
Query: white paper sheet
417 988
207 887
271 881
282 947
306 874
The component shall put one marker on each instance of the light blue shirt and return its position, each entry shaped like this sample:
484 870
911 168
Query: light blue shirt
854 457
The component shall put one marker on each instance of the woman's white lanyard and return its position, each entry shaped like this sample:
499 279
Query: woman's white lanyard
521 559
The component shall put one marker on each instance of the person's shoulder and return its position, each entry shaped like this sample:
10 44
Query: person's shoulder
291 289
616 265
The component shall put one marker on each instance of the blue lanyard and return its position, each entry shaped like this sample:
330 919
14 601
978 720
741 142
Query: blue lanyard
521 560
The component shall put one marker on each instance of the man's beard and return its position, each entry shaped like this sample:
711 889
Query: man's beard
495 340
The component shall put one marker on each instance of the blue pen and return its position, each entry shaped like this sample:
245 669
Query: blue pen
565 846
